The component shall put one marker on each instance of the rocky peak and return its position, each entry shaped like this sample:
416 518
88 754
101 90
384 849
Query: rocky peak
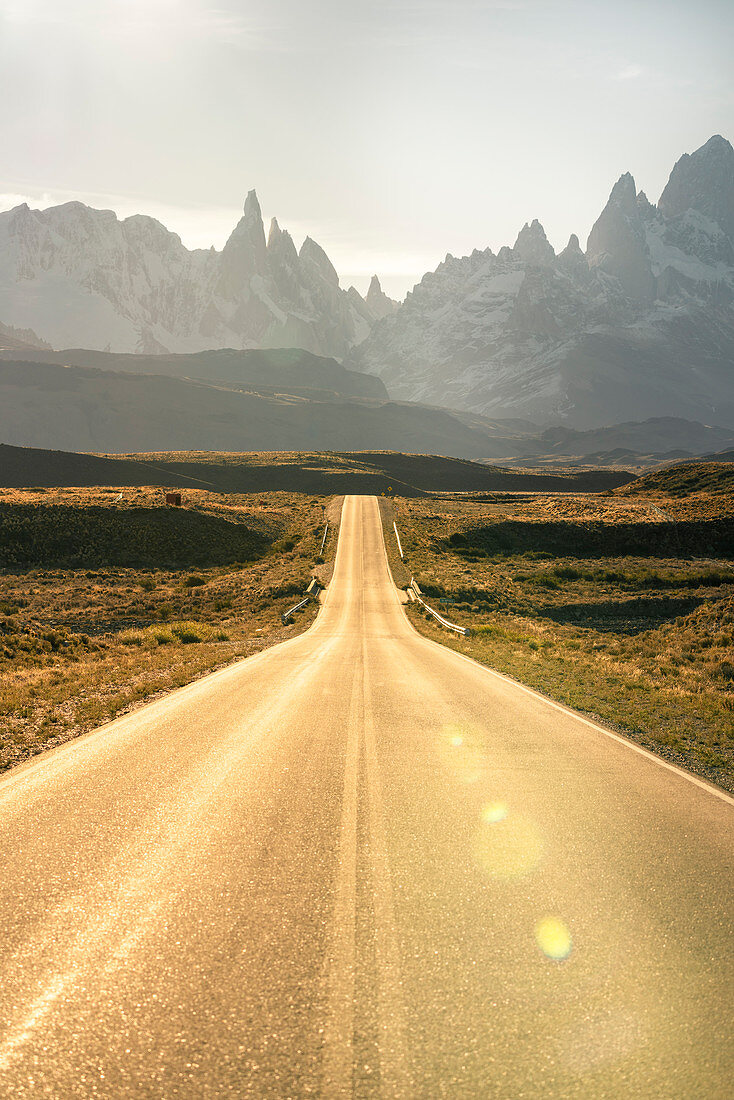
245 253
645 208
532 246
274 233
703 181
572 257
618 245
316 260
281 248
378 302
624 194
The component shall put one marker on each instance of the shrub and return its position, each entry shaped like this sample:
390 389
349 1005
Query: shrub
194 580
567 572
188 632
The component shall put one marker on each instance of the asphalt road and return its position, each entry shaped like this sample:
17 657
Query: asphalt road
359 864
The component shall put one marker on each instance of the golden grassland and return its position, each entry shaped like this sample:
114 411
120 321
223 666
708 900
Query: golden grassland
618 605
108 599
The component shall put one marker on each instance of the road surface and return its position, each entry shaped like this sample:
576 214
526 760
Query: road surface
358 864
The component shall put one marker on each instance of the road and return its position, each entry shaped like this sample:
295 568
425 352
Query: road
359 864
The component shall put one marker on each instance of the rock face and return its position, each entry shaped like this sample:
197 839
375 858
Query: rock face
81 278
378 302
640 325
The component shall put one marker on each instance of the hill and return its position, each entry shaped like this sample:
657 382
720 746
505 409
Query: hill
370 472
88 409
278 370
684 479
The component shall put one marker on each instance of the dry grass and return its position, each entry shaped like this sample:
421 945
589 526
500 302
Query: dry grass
82 644
602 603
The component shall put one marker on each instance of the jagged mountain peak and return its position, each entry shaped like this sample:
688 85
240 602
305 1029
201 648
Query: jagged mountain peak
252 206
643 324
624 193
703 181
314 256
378 302
572 257
646 209
83 278
532 246
716 146
274 233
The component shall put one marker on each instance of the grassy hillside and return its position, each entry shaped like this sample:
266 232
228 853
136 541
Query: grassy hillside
289 471
37 534
106 603
685 479
606 604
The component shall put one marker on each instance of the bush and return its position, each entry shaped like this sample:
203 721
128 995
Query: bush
194 581
187 632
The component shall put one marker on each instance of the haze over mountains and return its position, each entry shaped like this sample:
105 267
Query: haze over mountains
639 326
80 277
283 400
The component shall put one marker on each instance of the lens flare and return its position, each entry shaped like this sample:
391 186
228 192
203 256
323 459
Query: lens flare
462 753
553 938
494 812
507 846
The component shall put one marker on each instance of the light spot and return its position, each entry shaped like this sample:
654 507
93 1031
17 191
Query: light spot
494 812
462 753
553 938
508 846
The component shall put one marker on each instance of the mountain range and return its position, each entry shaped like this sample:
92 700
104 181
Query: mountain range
641 323
81 277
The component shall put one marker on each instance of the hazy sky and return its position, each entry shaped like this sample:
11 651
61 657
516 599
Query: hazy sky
391 131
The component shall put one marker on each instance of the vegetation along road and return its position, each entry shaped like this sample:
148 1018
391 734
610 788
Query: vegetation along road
358 863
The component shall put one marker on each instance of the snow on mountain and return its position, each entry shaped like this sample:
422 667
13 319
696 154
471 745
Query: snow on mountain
640 325
82 278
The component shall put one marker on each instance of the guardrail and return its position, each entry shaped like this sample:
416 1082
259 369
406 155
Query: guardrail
312 593
296 607
323 541
397 536
417 595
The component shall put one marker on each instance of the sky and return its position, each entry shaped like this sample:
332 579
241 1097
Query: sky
391 131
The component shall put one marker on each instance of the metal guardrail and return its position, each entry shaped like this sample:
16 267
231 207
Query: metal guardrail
323 541
463 630
296 607
397 536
